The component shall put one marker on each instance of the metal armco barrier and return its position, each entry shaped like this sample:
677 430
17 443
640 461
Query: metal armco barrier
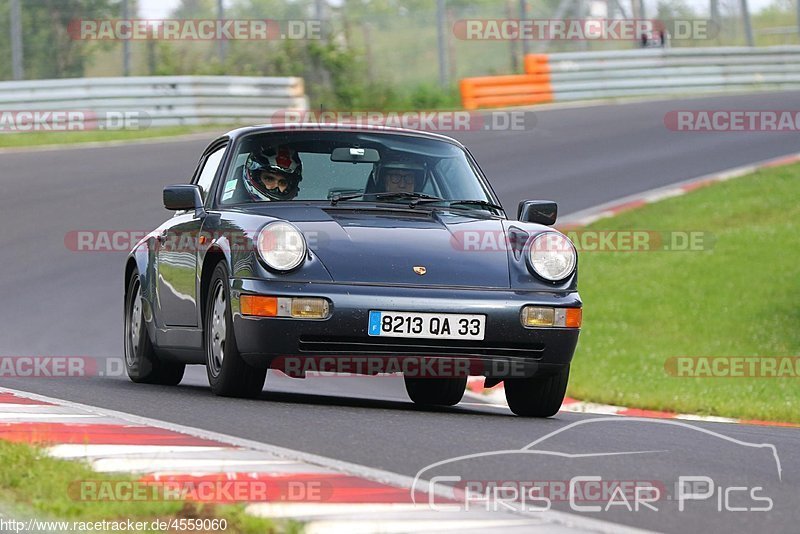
161 100
647 72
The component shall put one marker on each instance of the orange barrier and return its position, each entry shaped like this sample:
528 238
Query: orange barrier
510 90
536 64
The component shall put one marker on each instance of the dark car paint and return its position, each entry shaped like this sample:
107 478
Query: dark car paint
364 247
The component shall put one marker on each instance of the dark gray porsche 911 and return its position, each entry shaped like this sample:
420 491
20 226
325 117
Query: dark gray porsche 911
311 248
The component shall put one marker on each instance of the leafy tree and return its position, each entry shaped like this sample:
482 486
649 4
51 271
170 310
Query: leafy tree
49 51
196 9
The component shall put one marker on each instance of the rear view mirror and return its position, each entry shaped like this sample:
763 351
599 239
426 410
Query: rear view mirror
355 155
538 211
182 197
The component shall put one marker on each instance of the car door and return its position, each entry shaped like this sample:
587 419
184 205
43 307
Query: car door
176 254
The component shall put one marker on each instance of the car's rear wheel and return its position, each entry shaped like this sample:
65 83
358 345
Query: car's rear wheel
436 391
228 374
141 361
537 396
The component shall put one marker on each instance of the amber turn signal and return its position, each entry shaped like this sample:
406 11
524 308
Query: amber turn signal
574 317
258 305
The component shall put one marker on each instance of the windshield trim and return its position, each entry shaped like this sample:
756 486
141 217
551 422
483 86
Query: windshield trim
355 205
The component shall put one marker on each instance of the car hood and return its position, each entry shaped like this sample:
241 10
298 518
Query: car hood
389 246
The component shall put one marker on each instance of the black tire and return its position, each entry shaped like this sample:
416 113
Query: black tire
436 391
537 396
141 361
228 375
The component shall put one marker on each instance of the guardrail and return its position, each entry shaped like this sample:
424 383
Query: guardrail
646 72
161 100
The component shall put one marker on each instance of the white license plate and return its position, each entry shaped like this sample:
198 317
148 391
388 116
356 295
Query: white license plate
426 325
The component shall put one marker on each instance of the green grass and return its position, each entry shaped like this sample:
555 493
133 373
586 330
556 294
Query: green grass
38 485
741 298
26 139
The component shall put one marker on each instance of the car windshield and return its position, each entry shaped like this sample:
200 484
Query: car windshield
338 166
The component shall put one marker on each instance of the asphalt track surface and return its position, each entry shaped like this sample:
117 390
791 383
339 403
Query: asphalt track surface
59 302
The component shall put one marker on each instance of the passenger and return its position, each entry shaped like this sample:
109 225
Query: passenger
399 176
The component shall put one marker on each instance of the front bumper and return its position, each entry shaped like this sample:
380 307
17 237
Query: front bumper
507 344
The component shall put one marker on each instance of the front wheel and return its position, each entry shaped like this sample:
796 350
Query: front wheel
228 374
436 391
141 361
537 396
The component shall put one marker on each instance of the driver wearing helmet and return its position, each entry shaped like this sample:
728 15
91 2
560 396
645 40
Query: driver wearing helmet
400 176
273 173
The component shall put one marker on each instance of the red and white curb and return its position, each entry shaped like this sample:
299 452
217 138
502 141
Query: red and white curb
348 497
496 396
631 202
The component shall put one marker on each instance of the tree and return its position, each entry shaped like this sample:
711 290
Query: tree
50 51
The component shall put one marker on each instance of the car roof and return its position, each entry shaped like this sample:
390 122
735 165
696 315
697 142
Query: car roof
337 127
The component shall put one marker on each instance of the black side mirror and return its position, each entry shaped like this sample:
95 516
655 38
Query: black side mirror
538 211
183 197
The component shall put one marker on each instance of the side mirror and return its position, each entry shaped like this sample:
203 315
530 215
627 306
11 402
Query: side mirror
183 197
538 211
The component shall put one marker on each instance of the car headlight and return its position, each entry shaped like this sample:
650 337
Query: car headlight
281 246
552 256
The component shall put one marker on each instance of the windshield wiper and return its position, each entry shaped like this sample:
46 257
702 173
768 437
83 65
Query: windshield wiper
479 203
414 197
344 196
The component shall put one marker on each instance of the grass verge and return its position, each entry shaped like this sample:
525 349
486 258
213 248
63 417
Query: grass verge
39 486
738 297
29 139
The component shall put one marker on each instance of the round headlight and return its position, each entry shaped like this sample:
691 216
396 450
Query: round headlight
281 246
552 256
